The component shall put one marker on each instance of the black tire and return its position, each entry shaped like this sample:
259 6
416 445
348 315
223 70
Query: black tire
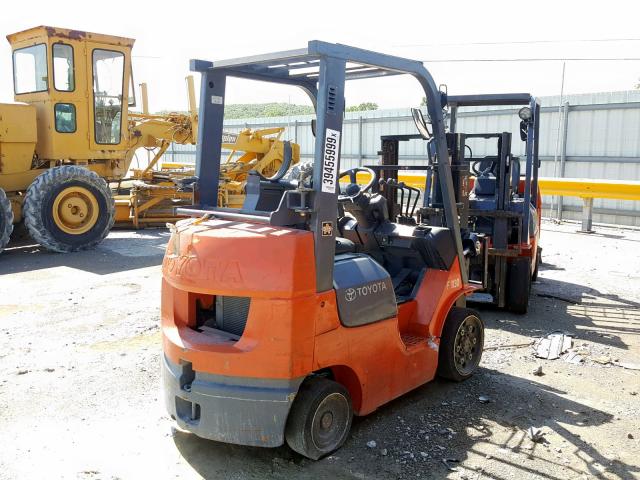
518 285
320 418
534 276
6 220
45 197
461 344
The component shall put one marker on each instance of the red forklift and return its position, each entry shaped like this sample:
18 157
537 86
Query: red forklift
283 319
504 203
498 201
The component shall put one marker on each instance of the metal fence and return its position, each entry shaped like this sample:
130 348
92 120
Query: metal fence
584 136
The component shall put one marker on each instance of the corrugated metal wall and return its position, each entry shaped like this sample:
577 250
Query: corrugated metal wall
602 141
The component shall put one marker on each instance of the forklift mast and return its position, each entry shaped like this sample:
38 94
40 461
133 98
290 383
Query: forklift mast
529 131
321 70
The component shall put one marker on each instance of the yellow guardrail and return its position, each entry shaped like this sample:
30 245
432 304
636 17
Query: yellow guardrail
412 180
587 189
590 188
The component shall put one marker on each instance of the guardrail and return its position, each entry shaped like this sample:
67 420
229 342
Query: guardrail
586 189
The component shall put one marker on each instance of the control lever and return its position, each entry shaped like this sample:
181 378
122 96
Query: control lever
406 212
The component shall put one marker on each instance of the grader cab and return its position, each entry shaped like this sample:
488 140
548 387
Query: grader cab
80 86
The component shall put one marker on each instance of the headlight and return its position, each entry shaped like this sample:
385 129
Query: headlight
525 114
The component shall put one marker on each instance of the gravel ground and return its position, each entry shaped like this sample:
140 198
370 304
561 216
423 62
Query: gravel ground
80 399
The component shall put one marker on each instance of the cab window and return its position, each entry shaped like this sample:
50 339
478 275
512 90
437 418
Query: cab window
63 71
108 84
65 116
30 69
132 91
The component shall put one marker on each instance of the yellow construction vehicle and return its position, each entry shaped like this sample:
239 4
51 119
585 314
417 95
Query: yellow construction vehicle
263 153
73 135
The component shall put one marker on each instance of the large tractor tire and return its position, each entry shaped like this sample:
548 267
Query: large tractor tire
461 344
68 208
518 285
6 220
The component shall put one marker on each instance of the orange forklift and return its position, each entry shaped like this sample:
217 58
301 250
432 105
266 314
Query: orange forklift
283 319
497 206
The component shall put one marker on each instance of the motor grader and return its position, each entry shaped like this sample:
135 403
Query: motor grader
67 147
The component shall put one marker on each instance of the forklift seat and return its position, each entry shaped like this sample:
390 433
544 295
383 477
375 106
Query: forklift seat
485 186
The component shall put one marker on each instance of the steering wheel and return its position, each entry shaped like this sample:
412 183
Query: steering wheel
352 194
480 167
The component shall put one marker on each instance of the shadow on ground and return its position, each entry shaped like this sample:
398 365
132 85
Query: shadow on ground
582 311
519 404
120 251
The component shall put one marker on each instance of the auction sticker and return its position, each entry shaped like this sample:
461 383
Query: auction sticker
330 161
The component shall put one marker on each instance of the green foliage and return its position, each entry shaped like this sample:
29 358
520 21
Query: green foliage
275 109
364 106
249 110
423 102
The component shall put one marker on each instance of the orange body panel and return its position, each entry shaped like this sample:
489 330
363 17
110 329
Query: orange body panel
291 330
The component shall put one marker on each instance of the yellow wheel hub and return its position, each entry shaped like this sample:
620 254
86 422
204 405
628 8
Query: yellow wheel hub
75 210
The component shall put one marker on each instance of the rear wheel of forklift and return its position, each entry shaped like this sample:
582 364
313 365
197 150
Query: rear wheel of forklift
461 344
518 285
320 418
6 220
68 208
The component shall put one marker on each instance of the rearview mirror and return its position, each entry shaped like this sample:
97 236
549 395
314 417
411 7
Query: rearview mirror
523 130
421 124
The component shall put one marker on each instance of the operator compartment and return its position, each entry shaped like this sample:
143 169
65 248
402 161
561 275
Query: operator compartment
401 252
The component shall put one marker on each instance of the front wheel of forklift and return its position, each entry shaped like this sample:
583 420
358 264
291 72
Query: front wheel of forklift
320 418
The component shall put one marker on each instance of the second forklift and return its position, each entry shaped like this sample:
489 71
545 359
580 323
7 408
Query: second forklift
497 196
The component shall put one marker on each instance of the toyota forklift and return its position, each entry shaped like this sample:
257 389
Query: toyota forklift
505 204
497 196
308 305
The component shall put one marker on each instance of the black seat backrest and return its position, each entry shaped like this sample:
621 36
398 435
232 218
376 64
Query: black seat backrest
484 186
434 246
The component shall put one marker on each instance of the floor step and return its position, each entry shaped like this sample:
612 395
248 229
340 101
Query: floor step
412 340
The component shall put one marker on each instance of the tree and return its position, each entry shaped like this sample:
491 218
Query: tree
364 106
275 109
423 102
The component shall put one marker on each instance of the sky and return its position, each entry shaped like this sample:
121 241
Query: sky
168 34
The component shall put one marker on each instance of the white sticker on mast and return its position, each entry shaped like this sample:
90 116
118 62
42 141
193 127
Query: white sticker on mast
330 160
